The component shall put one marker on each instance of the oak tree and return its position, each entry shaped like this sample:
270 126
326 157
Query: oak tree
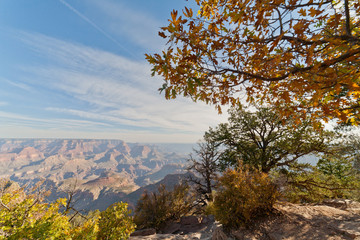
300 55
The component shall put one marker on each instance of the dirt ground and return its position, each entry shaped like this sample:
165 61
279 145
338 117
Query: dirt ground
333 220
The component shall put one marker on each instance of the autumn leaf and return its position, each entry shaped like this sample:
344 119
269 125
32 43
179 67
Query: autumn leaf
237 48
302 12
162 34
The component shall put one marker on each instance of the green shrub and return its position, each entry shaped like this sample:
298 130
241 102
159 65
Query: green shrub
243 195
26 216
85 228
155 209
115 222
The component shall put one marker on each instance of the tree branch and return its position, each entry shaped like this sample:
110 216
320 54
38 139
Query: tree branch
4 205
347 18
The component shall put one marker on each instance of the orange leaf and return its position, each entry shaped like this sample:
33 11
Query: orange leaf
302 12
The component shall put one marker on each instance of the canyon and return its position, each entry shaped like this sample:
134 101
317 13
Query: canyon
96 172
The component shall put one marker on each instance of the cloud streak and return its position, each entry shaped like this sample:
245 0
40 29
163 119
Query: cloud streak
94 25
117 92
13 119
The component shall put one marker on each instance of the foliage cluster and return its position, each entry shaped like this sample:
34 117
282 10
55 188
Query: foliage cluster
155 209
332 177
115 222
244 194
261 140
335 175
25 215
301 56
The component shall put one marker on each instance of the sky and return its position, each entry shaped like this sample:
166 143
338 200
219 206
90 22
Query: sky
76 69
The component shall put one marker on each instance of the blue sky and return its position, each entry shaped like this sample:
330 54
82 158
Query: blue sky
76 69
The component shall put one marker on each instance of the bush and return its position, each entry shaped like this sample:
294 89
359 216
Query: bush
155 209
88 230
115 222
243 195
30 219
85 227
25 215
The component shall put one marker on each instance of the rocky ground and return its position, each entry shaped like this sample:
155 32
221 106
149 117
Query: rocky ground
333 220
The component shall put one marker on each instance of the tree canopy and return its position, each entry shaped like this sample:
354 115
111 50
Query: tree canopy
300 55
261 140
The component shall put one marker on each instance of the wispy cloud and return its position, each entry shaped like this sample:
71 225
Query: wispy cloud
118 92
17 84
14 119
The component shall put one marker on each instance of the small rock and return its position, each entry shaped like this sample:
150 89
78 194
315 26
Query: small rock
336 203
171 228
190 220
208 219
144 232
